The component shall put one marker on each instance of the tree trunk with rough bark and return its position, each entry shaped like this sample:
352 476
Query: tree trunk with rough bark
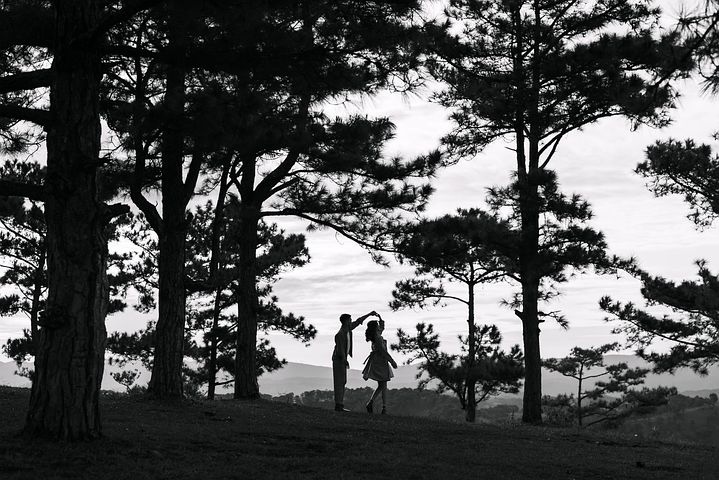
166 379
71 341
532 400
246 386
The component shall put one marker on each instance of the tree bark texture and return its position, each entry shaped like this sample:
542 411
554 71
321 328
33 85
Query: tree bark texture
166 379
532 400
71 341
246 386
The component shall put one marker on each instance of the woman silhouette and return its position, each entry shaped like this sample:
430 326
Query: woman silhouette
377 364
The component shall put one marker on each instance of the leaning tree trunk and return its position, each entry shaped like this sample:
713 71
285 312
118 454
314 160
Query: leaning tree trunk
246 386
71 342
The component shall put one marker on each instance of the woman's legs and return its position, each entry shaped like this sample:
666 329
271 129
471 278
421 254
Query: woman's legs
381 389
384 395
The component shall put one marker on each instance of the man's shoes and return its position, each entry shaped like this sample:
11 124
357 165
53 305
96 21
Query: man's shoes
369 408
340 408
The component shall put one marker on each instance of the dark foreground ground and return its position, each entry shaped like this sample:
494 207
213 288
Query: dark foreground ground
227 439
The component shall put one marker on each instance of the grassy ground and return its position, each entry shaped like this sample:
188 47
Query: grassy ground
227 439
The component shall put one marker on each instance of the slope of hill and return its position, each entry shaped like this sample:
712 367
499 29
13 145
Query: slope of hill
264 440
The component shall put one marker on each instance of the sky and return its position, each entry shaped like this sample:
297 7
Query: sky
597 163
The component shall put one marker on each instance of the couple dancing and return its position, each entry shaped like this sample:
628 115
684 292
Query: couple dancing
377 364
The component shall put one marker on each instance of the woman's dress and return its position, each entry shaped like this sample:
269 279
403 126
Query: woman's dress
377 363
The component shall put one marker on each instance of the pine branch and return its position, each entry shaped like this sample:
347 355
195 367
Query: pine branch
193 174
25 80
10 188
33 115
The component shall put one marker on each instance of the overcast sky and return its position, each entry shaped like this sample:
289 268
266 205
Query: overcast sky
597 163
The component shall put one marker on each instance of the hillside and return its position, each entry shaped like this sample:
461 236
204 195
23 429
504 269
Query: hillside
265 440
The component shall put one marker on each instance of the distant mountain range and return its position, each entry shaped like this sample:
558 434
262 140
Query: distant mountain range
300 377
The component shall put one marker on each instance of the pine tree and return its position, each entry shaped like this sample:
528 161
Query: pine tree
701 27
449 249
535 71
70 34
615 378
257 108
210 331
277 253
487 372
691 170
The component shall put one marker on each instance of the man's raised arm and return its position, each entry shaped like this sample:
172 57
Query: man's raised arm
361 319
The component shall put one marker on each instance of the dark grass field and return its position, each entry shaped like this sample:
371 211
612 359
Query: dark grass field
228 439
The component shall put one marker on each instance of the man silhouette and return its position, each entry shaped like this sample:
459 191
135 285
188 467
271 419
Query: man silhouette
343 349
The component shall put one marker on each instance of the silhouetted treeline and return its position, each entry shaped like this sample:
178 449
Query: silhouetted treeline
403 401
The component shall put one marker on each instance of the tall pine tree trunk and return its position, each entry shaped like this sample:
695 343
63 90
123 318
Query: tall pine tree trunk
532 401
71 342
246 386
471 408
579 396
529 248
527 173
166 380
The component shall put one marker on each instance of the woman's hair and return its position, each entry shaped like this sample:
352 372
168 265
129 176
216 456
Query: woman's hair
371 331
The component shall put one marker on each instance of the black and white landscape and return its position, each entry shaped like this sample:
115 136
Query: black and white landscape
359 239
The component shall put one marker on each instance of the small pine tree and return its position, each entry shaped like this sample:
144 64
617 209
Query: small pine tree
489 372
584 364
449 249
